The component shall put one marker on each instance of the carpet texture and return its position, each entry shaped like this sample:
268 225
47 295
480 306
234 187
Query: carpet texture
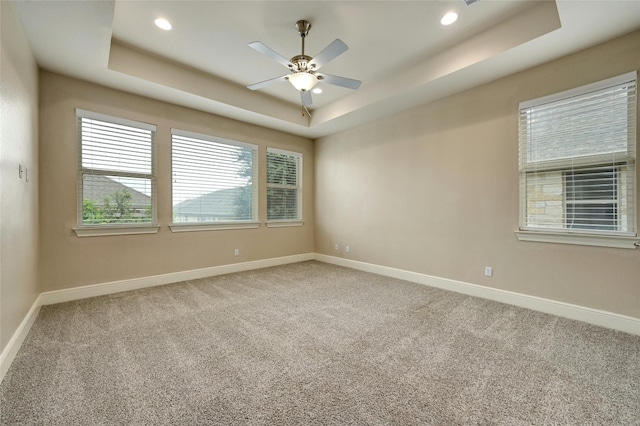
316 344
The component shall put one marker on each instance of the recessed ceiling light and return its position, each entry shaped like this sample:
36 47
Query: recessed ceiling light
163 24
449 18
317 90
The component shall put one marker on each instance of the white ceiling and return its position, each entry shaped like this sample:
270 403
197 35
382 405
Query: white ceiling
397 48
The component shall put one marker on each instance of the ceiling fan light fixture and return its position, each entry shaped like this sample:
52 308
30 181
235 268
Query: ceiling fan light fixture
303 81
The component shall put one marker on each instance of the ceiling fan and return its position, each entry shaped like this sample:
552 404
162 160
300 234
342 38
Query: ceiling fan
303 69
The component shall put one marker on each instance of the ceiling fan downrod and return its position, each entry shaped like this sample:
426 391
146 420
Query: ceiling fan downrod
301 61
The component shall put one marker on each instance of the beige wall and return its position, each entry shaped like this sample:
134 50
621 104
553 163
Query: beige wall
434 190
69 261
18 198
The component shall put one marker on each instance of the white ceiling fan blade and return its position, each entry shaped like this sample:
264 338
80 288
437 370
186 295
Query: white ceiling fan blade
349 83
260 47
268 82
306 98
332 51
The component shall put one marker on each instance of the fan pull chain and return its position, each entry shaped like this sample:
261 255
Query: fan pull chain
305 110
304 107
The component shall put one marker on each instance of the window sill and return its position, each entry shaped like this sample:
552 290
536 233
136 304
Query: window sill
629 242
284 224
188 227
102 231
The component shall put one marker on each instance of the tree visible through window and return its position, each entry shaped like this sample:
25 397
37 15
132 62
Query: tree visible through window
117 177
213 179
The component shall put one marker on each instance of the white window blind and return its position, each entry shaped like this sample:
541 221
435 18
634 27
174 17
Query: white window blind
214 180
117 171
577 160
284 185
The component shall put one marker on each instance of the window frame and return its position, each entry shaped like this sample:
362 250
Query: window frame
566 235
252 223
299 220
105 229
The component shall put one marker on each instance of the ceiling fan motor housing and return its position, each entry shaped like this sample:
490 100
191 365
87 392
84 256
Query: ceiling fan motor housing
303 27
299 63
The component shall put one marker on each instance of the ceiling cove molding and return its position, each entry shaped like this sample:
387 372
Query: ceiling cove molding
427 76
538 20
172 75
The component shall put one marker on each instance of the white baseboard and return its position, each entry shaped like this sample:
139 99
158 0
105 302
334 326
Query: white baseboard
11 349
77 293
58 296
593 316
606 319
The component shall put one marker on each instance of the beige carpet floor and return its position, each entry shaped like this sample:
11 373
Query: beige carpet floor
315 344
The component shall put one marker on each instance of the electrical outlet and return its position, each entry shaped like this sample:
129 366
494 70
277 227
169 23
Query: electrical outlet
336 247
488 271
347 249
236 252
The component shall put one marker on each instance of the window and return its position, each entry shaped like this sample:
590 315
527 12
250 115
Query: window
284 185
591 200
577 161
117 172
214 182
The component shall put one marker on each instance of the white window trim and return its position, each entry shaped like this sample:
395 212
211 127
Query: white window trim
190 227
281 223
630 241
117 120
107 230
580 90
120 229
